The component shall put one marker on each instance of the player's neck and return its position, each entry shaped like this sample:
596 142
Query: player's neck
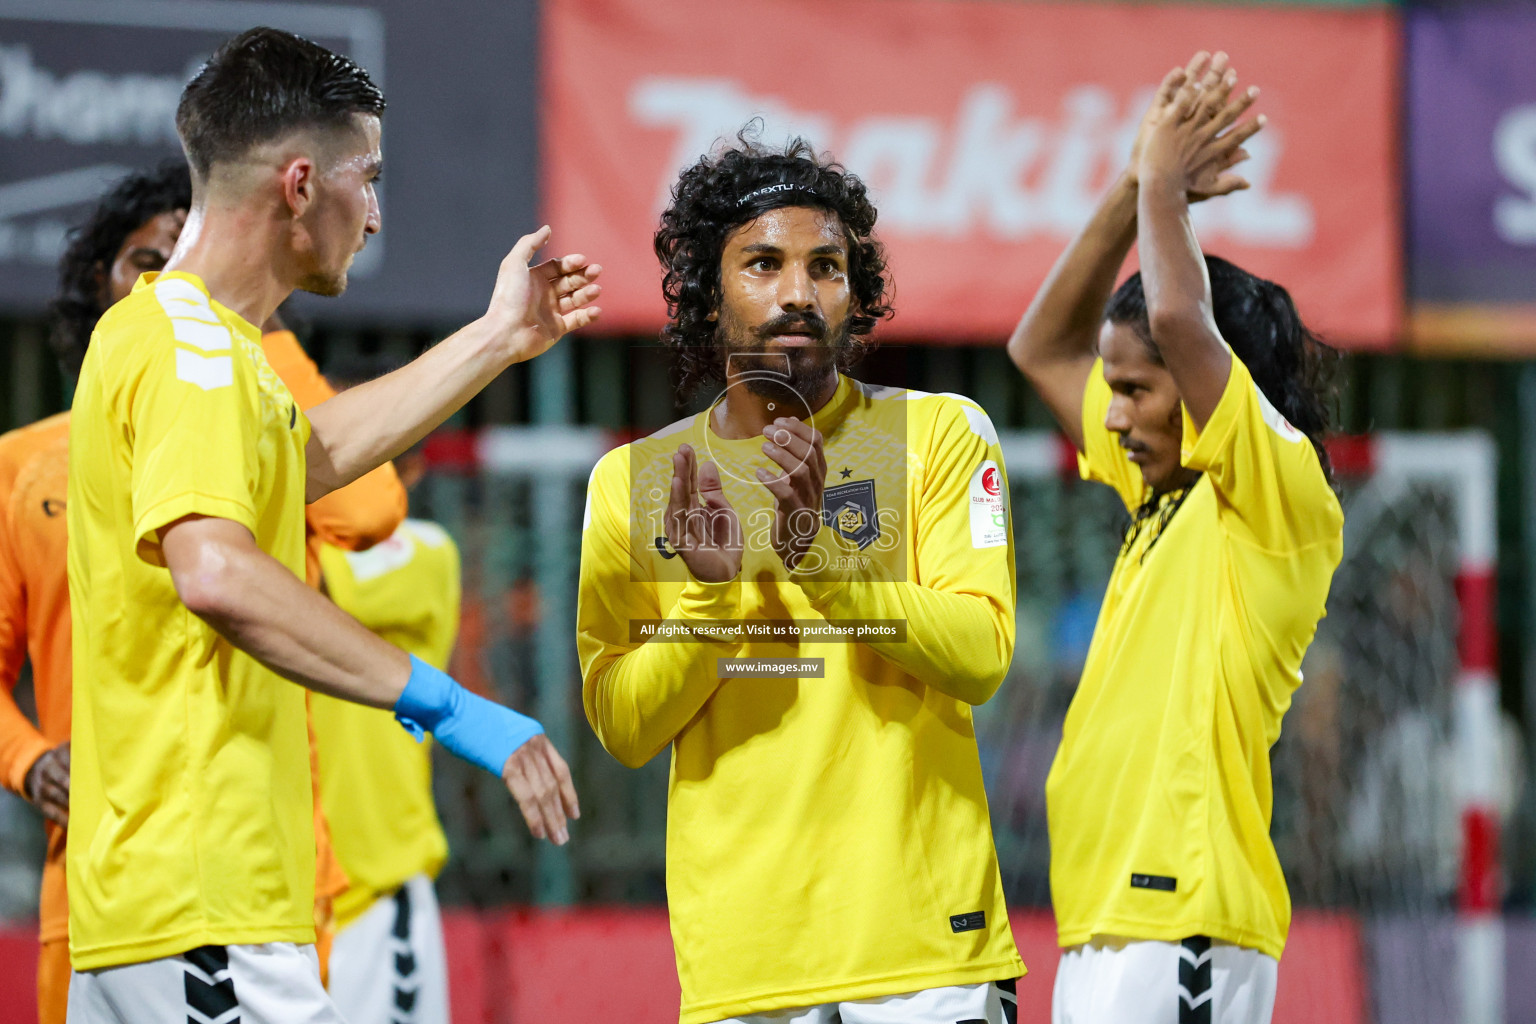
742 414
1181 480
232 251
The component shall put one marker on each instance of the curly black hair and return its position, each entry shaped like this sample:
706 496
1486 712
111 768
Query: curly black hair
1294 368
733 187
94 245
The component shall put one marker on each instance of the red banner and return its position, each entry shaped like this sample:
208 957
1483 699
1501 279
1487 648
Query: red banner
985 130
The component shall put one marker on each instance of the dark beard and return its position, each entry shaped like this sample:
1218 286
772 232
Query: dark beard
809 369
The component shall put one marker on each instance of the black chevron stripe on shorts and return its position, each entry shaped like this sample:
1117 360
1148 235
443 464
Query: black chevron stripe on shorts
210 988
1009 991
1195 980
406 984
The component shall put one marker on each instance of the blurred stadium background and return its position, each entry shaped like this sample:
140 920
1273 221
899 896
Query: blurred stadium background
1395 194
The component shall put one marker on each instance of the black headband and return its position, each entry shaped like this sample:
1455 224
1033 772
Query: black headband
767 190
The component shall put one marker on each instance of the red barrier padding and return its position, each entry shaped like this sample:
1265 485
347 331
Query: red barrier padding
1322 974
611 963
18 975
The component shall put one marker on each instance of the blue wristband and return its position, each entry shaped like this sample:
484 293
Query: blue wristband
480 731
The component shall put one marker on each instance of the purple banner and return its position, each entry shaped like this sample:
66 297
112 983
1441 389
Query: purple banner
1471 143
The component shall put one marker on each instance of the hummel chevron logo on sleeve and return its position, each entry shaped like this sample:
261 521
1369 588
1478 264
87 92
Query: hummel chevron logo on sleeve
207 372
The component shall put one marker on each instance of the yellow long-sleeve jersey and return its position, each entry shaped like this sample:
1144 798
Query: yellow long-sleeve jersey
827 837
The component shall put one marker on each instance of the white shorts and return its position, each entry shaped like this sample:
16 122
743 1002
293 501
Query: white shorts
390 965
1131 981
993 1002
273 983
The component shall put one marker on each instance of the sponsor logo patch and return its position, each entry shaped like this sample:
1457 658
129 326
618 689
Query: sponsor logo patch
972 922
989 507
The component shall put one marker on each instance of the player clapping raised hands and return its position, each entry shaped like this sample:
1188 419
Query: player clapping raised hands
701 525
1195 392
796 447
704 529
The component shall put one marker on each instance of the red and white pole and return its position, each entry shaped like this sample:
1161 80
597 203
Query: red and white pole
1469 462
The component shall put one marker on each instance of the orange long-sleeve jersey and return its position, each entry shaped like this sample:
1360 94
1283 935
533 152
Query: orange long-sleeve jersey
34 620
34 597
359 515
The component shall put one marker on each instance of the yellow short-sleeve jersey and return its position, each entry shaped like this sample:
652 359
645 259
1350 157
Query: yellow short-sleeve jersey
190 806
1160 797
375 780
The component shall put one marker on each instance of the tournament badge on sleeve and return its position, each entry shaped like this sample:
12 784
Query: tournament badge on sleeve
989 507
850 509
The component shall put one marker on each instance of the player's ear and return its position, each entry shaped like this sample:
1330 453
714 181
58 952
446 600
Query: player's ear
298 182
714 315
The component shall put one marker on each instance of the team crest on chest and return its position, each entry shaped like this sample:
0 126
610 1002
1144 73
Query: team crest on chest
850 509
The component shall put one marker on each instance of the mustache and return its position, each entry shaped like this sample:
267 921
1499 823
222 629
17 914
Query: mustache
794 323
1131 446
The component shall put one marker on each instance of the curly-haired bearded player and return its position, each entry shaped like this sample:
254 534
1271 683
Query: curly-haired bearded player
829 855
1204 408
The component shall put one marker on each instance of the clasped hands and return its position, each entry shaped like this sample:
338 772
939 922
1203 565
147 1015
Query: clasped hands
705 530
1190 138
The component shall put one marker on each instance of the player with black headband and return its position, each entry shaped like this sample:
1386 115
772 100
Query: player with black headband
829 855
1196 392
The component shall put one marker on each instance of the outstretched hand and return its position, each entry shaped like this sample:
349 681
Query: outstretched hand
539 780
537 306
1190 135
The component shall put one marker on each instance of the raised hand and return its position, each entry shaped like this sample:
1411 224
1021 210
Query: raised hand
1188 133
539 780
701 525
1166 90
536 306
797 447
46 785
